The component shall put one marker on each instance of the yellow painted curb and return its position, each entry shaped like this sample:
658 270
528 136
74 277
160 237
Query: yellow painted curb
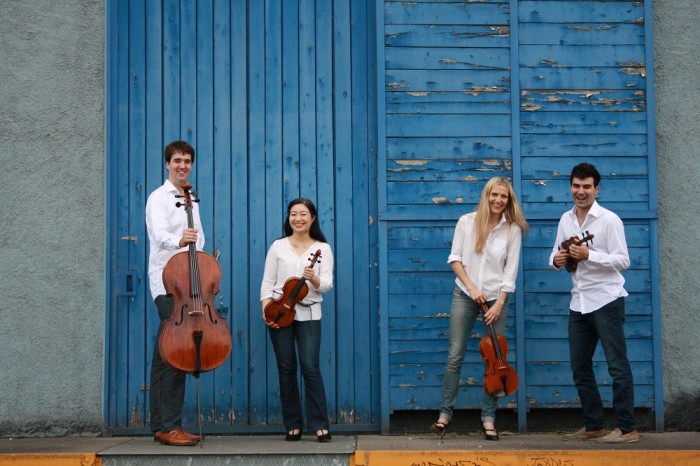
51 459
527 458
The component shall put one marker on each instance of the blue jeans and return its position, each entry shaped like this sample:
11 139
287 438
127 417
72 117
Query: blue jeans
607 325
463 314
307 337
167 390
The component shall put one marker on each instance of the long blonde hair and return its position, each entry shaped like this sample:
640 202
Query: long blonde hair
513 212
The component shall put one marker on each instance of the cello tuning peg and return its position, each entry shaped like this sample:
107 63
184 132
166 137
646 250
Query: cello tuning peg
179 204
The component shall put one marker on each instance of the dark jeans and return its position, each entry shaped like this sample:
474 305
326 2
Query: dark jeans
307 337
607 325
167 392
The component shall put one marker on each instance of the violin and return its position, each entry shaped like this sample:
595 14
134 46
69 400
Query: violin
499 378
195 338
281 310
571 263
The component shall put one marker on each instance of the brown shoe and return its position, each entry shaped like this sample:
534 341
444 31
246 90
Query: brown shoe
192 436
616 436
176 437
583 434
156 436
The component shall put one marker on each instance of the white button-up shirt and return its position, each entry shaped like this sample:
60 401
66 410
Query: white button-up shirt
496 268
282 262
165 223
597 280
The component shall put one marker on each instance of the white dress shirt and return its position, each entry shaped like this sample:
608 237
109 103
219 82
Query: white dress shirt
165 223
496 268
283 262
597 280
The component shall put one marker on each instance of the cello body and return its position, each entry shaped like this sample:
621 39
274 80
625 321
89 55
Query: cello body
500 379
195 338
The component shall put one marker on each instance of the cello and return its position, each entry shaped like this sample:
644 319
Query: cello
499 378
195 338
281 311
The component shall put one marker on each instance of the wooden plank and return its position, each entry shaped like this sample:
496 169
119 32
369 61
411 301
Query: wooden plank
588 100
594 78
475 37
494 150
474 81
445 13
583 56
550 397
438 58
442 170
577 146
263 405
447 125
244 296
345 374
593 11
621 124
582 33
541 304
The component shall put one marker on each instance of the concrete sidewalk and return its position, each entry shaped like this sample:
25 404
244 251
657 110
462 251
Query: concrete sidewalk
678 448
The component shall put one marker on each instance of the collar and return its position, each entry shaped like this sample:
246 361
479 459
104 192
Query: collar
594 211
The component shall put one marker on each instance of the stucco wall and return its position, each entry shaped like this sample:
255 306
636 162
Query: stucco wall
52 146
677 66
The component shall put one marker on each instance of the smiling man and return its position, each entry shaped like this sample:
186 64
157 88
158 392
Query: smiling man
166 222
597 308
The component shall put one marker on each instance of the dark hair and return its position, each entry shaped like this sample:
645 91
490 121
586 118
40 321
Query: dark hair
583 171
182 147
315 230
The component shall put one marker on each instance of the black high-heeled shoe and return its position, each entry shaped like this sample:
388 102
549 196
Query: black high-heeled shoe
486 431
440 428
323 436
293 437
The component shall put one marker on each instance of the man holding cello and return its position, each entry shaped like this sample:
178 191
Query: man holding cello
169 234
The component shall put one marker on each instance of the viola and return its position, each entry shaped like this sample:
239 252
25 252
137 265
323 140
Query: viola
195 338
500 379
571 263
281 310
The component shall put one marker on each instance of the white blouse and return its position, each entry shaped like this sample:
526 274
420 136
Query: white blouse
283 262
496 268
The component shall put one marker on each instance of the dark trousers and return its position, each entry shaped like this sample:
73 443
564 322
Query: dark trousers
306 336
585 330
167 393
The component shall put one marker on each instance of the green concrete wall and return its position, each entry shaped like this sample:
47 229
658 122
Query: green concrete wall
677 67
52 240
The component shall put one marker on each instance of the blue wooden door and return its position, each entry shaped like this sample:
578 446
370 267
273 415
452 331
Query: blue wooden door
523 89
277 98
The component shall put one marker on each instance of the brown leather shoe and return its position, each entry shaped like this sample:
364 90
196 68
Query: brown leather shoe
156 436
192 436
176 437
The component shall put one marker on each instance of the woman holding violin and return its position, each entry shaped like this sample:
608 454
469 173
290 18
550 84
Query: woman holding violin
298 269
484 257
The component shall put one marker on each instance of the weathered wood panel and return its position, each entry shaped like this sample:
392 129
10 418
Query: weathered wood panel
278 99
469 95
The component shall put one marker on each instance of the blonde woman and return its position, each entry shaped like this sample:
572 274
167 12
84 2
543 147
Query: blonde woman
484 257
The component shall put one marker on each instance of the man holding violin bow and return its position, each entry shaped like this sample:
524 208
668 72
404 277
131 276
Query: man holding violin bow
591 246
169 234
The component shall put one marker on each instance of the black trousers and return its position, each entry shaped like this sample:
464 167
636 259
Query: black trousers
167 393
